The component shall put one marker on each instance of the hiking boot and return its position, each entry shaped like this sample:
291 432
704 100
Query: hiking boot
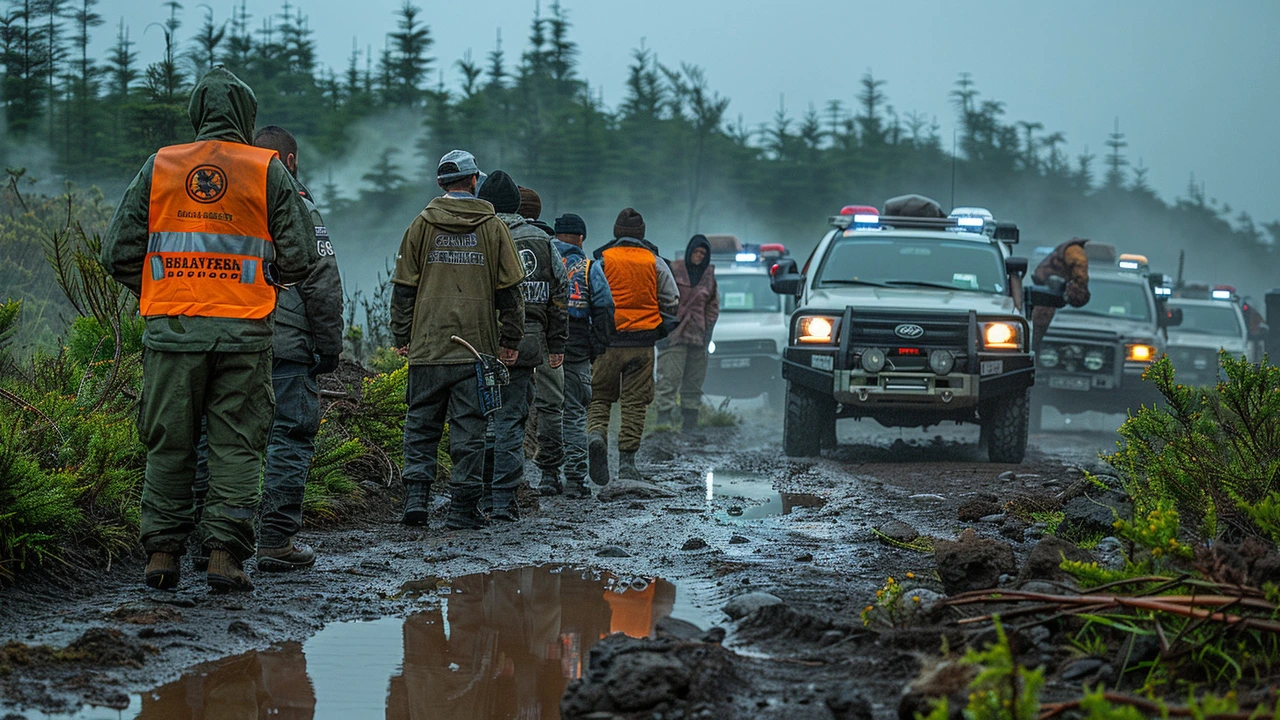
627 469
674 415
199 555
576 489
417 503
163 571
598 458
226 574
465 520
550 484
293 556
505 508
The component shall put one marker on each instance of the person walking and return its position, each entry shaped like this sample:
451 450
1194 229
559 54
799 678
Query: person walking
644 297
201 236
307 344
545 295
682 364
458 274
590 318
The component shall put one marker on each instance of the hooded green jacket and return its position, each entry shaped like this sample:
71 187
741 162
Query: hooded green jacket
222 108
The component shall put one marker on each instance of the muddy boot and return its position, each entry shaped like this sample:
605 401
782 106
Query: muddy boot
293 556
627 469
465 520
576 489
505 508
163 571
690 425
417 503
550 484
598 458
226 573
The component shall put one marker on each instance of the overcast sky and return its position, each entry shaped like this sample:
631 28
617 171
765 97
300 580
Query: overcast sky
1195 84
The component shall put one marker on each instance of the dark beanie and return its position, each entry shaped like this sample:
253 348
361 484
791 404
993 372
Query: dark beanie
530 204
500 190
629 224
570 224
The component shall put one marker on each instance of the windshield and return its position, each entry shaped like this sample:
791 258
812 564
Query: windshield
1222 320
913 262
1116 298
747 293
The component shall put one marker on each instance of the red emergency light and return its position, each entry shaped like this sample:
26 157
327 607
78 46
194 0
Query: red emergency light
773 248
859 210
1229 288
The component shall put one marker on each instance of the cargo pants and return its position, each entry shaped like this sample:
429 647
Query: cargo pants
438 393
232 392
548 416
508 439
577 396
623 375
682 369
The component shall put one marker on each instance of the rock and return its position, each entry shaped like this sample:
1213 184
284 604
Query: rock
242 629
926 607
994 519
946 680
1110 553
635 505
747 603
1044 562
105 646
1014 529
682 630
623 489
846 702
971 510
972 563
804 557
613 551
738 540
1007 476
1081 668
831 637
898 531
1095 515
694 543
714 636
640 681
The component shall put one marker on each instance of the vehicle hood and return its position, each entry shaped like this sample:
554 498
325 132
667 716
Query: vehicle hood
1233 345
1129 329
885 299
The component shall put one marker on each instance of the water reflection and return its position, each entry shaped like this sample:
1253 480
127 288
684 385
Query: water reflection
751 496
505 644
269 684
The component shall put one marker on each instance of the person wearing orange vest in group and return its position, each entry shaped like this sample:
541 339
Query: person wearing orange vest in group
645 301
201 236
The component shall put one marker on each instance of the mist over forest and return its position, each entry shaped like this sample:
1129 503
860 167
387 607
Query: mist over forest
372 130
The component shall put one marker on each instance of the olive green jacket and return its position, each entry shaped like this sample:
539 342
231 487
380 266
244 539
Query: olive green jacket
222 108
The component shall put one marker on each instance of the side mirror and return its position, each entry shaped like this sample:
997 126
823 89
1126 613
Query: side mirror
1170 317
785 277
1016 266
1051 294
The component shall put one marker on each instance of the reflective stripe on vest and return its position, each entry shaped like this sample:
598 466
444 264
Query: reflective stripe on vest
208 233
633 279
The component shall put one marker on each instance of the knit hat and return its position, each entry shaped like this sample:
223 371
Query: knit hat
456 165
629 224
570 224
530 204
500 190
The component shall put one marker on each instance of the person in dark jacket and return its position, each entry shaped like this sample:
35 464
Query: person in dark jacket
590 317
545 298
1069 262
682 364
196 249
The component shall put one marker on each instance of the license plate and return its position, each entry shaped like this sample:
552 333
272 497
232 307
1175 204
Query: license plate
992 367
735 363
1069 383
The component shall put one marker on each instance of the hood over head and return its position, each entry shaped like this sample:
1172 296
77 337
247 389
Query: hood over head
457 215
696 271
223 107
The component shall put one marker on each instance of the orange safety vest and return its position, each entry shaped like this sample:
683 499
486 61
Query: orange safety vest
208 238
633 280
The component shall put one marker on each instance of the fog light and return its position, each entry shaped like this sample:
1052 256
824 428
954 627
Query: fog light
1093 360
873 360
711 348
1140 353
942 361
1049 358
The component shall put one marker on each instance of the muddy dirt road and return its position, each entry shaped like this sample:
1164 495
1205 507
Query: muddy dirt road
396 622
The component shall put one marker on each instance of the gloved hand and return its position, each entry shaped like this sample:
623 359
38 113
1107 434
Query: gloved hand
325 365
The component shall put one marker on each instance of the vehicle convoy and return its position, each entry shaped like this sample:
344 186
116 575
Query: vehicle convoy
911 322
745 355
1093 357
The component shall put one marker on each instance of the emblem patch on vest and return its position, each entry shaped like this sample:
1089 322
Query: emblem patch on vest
206 184
530 260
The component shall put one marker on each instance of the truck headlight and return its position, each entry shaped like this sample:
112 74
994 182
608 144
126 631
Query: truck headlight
1001 336
817 329
1094 359
1049 358
1139 352
873 360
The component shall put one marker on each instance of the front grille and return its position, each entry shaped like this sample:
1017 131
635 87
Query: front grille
940 330
746 347
1071 356
1193 359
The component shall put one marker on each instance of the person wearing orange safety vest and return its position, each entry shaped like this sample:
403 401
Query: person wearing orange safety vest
202 236
645 302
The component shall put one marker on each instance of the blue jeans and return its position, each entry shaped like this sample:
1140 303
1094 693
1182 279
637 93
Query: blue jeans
438 393
508 437
289 452
577 396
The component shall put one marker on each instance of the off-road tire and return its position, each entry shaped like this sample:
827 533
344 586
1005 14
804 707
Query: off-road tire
805 421
1004 423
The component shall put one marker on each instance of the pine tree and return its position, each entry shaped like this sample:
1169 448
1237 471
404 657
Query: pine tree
207 40
26 62
1116 161
122 65
409 65
869 121
497 72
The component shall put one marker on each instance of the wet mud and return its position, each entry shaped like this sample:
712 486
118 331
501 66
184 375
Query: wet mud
599 609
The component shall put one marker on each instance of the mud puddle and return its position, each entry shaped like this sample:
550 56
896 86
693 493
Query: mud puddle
490 645
750 496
